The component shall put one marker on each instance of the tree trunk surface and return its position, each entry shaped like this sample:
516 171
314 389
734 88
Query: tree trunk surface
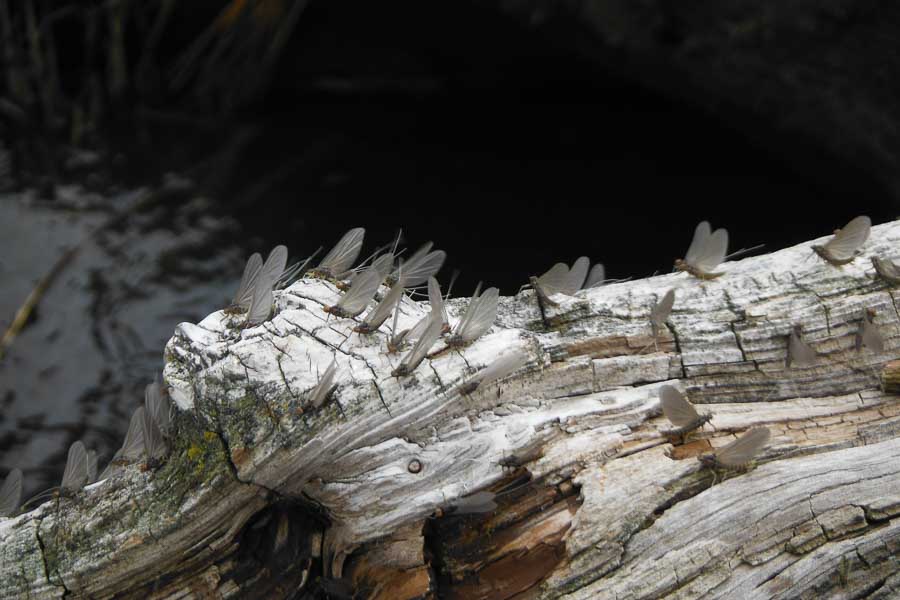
266 496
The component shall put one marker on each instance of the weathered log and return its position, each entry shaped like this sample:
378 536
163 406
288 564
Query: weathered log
265 496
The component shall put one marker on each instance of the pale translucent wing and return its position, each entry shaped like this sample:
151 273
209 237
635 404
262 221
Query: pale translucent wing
577 274
261 305
383 264
361 292
380 313
479 502
847 241
416 273
413 260
504 365
154 444
419 328
344 254
596 277
661 310
871 337
554 280
801 353
133 446
742 450
480 315
11 493
323 388
75 475
713 252
159 406
437 300
701 238
676 408
91 466
275 265
245 290
423 344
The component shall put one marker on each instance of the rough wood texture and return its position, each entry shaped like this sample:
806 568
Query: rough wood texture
265 496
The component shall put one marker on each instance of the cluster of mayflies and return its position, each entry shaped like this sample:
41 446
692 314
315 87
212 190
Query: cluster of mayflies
150 427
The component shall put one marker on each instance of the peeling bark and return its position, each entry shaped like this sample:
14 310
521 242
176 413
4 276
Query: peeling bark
265 496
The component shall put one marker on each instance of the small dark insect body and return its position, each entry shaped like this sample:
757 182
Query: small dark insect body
687 268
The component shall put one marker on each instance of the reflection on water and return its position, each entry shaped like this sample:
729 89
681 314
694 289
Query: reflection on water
145 261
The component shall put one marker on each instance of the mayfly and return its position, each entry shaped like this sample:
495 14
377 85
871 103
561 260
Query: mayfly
868 334
887 270
844 246
74 477
420 266
154 444
504 365
11 493
325 387
799 353
258 274
437 303
680 412
362 290
340 259
706 252
158 405
478 318
420 348
132 448
550 283
91 466
260 306
659 314
596 277
382 311
739 454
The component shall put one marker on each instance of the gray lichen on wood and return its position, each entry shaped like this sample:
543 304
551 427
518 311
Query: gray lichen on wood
593 500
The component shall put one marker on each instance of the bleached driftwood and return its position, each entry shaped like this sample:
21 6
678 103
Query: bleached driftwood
265 496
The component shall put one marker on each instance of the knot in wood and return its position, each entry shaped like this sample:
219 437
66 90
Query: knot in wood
415 466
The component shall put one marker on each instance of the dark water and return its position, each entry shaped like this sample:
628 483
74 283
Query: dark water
493 140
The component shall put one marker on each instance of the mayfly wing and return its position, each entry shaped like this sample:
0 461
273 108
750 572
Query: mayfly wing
244 293
712 252
133 446
261 305
437 301
596 277
662 309
423 344
504 365
799 352
154 444
11 493
742 450
338 261
159 406
554 280
479 316
323 388
702 233
419 328
847 241
380 313
274 266
479 502
677 409
383 264
418 270
871 337
576 276
361 292
887 269
76 474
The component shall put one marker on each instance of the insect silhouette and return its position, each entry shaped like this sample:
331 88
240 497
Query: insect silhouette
132 449
799 353
560 279
887 270
478 318
420 349
382 311
11 493
706 252
845 245
258 275
420 266
868 334
680 412
738 455
503 365
337 263
362 290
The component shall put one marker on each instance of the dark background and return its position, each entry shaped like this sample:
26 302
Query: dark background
512 145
